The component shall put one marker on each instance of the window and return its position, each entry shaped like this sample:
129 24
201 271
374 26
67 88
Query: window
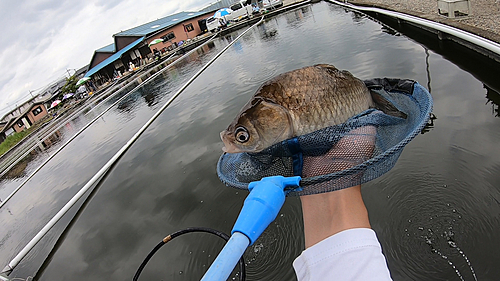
236 7
188 27
20 123
37 111
169 36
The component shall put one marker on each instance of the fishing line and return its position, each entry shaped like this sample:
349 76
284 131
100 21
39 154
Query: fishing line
86 126
182 232
96 178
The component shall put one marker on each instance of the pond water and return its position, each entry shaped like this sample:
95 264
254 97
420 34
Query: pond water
436 212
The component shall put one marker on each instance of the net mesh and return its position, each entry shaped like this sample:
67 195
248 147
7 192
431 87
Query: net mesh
361 149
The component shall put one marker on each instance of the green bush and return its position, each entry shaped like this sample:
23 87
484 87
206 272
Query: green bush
12 140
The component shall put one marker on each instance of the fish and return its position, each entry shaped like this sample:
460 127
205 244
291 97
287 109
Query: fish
300 102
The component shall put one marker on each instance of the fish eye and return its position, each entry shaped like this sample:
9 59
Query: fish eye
241 134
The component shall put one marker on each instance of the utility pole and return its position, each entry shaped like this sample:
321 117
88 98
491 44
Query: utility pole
69 74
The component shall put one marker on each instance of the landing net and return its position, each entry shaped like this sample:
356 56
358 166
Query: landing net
361 149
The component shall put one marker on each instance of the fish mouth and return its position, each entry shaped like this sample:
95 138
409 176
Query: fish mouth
228 146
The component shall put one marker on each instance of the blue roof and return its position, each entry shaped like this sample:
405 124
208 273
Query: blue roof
112 58
159 24
107 49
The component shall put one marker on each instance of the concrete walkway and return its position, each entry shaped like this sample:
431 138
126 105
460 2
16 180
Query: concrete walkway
483 20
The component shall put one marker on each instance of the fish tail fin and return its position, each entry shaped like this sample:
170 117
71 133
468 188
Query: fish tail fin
382 104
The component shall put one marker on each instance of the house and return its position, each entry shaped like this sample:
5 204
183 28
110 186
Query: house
31 113
2 133
131 46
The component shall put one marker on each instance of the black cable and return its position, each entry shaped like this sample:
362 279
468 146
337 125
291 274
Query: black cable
179 233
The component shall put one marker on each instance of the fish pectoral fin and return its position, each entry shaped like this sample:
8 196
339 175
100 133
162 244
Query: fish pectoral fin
382 104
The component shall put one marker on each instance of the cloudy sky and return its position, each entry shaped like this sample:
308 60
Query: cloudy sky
43 39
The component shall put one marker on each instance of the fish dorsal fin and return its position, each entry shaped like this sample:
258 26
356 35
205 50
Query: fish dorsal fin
384 105
329 68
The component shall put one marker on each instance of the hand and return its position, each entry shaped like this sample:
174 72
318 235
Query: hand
326 214
353 149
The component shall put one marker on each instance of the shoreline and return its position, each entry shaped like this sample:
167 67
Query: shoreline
483 20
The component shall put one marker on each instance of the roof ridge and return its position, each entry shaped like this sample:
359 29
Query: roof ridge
160 23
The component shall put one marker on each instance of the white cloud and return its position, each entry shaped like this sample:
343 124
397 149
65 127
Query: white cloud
41 39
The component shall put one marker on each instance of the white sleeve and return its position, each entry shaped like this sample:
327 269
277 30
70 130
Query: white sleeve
353 254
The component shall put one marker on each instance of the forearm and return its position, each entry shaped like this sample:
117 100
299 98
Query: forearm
329 213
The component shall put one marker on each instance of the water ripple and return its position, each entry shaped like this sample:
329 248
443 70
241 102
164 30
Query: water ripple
274 248
432 224
265 73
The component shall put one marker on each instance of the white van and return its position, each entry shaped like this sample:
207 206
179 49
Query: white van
213 24
241 10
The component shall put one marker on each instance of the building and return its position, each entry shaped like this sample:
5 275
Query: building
23 107
131 46
31 114
2 133
34 109
24 115
219 5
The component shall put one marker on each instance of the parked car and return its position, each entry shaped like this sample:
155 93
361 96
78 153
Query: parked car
241 10
271 4
213 24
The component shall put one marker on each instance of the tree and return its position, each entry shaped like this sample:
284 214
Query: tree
70 86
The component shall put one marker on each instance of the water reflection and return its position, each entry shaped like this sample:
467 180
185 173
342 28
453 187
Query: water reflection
296 17
127 105
357 17
493 97
229 38
444 189
474 63
428 69
51 140
61 178
19 170
268 31
389 30
205 48
151 98
430 124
